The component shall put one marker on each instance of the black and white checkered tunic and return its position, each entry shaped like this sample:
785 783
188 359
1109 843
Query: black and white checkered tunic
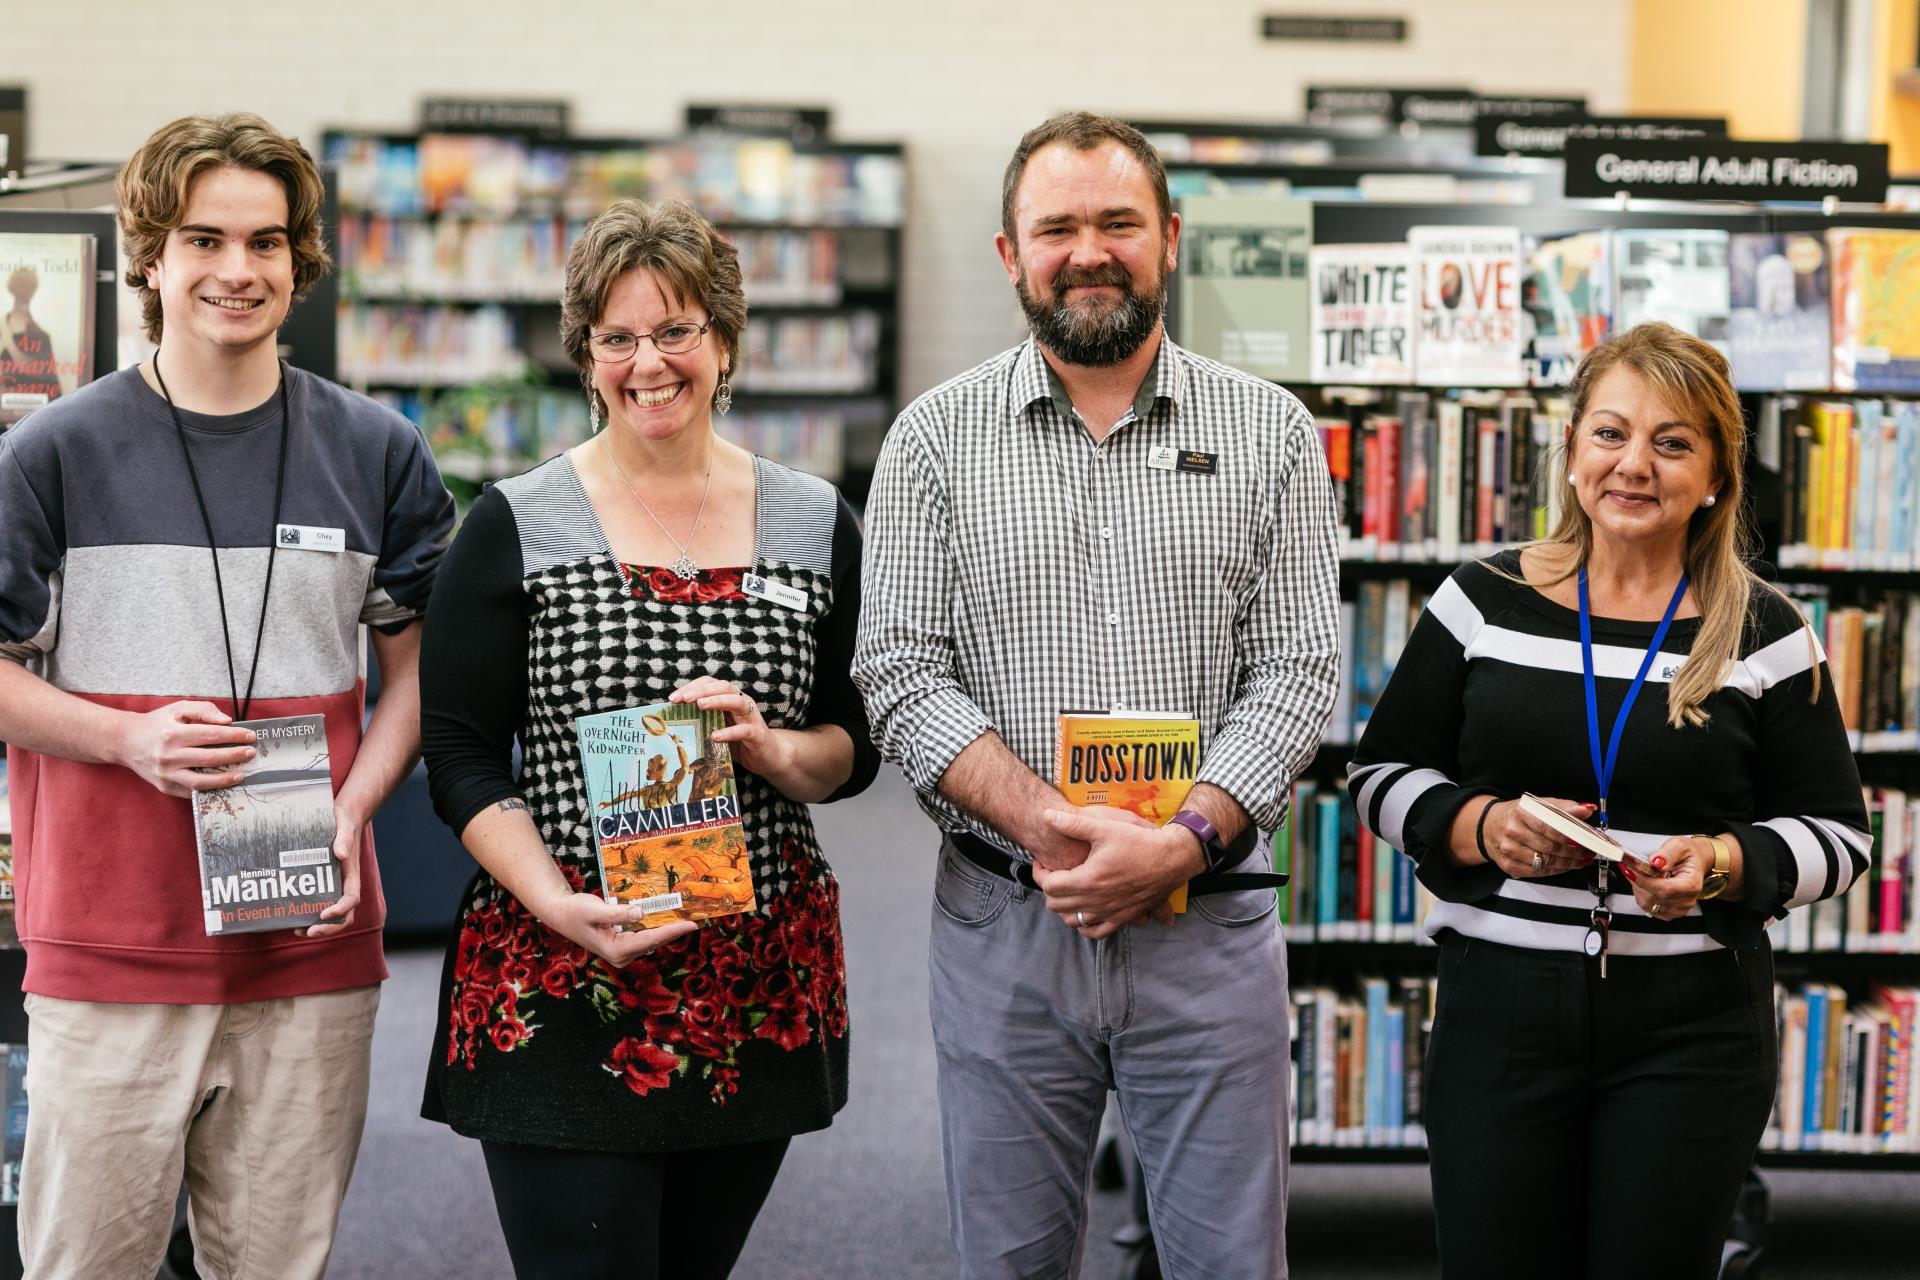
1015 568
733 1035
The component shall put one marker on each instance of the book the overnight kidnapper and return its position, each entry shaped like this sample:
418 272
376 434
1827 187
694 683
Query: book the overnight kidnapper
664 812
266 843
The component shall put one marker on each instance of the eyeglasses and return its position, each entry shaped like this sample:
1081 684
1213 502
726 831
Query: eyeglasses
669 339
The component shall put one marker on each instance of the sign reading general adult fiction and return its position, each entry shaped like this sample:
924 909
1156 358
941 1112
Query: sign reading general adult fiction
1502 134
1723 169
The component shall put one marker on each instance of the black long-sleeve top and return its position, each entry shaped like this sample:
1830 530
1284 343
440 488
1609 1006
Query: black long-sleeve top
1488 699
739 1032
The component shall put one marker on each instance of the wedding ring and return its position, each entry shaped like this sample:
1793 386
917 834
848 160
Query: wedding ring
1653 908
1081 917
1538 861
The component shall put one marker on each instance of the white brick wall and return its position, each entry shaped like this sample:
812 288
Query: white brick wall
957 81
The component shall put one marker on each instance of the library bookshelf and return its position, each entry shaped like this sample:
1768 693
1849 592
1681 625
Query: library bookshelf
452 252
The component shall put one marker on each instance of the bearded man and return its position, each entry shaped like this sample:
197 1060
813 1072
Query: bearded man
1099 519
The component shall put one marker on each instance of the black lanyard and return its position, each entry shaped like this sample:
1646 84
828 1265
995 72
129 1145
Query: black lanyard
273 541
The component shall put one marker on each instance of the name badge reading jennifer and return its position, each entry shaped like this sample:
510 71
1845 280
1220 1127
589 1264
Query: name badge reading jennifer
773 592
305 537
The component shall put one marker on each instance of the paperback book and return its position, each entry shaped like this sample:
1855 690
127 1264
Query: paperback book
46 319
1244 296
1679 276
1142 761
1469 306
1568 300
1780 328
266 843
1876 309
664 809
1362 313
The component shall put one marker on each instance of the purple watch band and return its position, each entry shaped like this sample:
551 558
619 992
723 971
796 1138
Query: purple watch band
1209 836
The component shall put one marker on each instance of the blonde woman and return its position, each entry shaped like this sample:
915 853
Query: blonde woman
1603 1056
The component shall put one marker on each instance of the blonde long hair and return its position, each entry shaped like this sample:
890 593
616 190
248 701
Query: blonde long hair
1694 378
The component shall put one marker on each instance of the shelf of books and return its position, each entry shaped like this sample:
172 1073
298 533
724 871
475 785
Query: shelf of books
452 253
1433 343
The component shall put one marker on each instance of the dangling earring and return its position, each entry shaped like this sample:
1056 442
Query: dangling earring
723 395
1711 499
593 409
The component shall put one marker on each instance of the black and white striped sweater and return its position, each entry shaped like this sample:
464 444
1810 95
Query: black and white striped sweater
1487 698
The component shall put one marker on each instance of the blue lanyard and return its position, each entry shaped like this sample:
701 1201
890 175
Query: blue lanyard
1603 772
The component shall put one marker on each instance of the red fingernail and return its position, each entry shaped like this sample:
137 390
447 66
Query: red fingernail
1659 861
1628 874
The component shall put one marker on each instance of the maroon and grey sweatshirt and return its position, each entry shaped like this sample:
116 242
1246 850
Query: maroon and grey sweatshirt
107 592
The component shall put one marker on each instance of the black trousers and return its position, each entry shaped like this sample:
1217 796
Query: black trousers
1589 1127
584 1215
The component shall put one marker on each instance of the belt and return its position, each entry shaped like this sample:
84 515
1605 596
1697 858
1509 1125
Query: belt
991 859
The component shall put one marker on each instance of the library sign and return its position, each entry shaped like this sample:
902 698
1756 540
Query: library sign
1511 135
1298 26
1455 108
1723 169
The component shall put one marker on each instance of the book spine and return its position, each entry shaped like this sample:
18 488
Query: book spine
1812 1121
1447 417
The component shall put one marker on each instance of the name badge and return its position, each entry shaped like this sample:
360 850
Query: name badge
1197 463
774 592
1161 457
305 537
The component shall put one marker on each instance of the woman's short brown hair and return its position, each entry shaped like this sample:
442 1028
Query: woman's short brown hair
695 263
152 190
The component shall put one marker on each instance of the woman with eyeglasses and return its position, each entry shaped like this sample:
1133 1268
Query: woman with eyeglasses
634 1089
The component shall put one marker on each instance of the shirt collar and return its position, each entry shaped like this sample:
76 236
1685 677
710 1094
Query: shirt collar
1034 380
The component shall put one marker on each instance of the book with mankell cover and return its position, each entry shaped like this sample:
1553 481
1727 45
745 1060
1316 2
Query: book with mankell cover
266 843
665 812
1143 761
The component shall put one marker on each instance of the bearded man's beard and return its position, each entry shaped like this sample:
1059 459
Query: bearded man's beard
1101 336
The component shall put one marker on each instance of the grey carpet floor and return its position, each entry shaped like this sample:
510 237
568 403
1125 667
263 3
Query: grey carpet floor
864 1200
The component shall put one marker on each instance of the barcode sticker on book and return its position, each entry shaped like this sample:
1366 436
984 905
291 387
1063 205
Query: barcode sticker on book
660 902
304 857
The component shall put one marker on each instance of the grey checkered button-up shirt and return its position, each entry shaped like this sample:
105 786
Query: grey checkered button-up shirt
1015 568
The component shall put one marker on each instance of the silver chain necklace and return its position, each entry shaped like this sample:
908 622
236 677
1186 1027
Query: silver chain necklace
686 566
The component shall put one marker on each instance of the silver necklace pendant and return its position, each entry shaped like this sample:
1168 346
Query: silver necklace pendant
685 567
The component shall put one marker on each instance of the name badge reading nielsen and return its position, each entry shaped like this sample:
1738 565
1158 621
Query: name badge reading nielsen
304 537
774 592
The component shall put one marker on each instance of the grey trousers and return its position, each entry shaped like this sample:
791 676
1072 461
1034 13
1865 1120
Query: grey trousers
1033 1024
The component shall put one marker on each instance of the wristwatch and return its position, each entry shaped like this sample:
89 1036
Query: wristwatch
1211 846
1716 879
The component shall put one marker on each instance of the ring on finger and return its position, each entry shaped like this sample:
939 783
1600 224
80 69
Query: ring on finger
1538 861
1080 917
1653 908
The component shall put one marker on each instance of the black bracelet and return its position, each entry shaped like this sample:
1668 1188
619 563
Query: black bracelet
1480 832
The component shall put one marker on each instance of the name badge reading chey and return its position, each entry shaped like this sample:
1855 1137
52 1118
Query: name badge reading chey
787 597
306 537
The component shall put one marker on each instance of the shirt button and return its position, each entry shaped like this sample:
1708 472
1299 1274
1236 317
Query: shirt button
1113 619
1106 533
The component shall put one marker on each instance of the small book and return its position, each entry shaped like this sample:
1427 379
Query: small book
665 812
1144 761
266 843
1592 839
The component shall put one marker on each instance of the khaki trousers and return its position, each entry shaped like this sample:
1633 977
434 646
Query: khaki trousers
259 1105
